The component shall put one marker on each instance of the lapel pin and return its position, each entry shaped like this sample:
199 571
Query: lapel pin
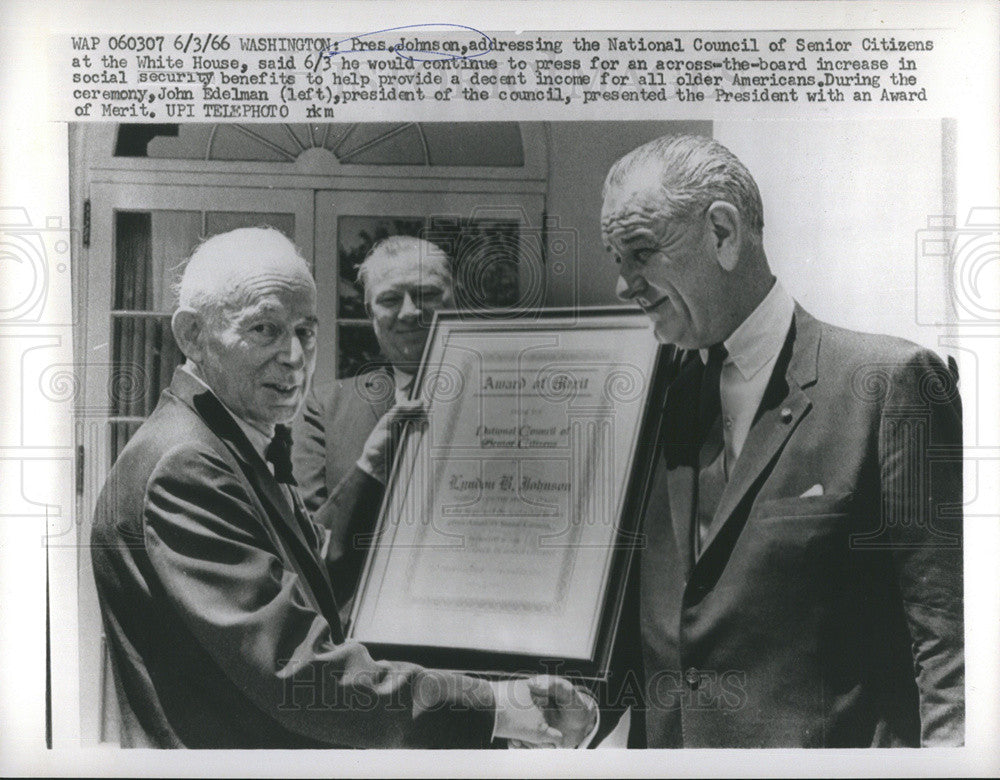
786 414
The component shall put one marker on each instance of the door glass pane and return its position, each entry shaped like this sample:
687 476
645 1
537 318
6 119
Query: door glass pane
357 348
132 249
145 356
486 256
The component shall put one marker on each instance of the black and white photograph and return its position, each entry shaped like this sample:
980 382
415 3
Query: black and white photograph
632 394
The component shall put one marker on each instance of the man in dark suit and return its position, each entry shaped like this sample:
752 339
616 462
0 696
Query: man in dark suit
218 609
341 452
801 573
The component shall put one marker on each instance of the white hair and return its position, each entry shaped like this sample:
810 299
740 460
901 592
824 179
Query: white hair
395 246
694 171
213 274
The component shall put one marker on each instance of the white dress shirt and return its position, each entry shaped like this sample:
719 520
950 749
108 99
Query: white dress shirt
753 350
403 382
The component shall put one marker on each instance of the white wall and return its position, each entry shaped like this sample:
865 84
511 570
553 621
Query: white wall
844 206
580 154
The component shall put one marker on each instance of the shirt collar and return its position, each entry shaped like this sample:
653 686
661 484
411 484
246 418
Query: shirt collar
258 438
759 338
403 379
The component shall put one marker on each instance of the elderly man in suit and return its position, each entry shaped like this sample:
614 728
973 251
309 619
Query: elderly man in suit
801 577
221 620
342 438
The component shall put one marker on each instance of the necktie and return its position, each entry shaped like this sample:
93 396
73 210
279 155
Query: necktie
279 454
711 454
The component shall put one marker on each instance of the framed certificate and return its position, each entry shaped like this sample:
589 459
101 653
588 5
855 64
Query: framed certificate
506 532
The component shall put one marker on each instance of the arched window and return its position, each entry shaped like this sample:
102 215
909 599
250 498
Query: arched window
471 144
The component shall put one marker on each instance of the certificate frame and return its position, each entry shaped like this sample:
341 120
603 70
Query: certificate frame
384 614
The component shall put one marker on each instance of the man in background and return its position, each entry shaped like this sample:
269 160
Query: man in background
341 454
801 574
220 617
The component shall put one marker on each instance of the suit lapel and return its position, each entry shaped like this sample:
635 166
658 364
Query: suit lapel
783 406
284 525
258 474
379 402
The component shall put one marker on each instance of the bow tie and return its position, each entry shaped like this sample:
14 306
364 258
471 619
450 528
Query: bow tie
279 454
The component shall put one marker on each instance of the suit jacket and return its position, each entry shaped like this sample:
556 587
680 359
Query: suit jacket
328 437
330 433
820 617
220 618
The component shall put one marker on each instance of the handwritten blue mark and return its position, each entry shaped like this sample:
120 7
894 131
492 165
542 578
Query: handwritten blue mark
418 56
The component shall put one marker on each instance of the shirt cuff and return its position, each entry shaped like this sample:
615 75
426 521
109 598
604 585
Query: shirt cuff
496 708
618 736
366 467
592 702
585 742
